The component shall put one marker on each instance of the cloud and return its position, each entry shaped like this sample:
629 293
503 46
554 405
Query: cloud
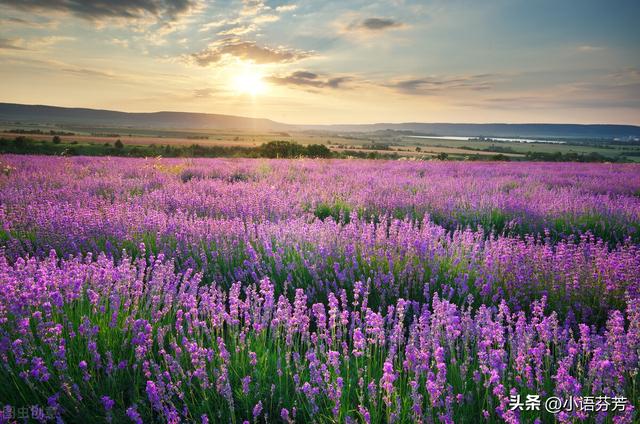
239 30
203 93
246 50
286 8
37 22
11 44
37 43
217 24
588 48
246 20
367 30
309 79
430 85
12 20
375 24
120 42
43 42
603 90
624 75
87 72
253 7
55 66
265 19
433 85
549 100
98 9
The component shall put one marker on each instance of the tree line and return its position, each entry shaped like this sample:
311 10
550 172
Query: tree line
273 149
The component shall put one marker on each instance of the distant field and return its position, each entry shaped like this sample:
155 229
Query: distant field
148 140
382 143
337 144
428 151
519 148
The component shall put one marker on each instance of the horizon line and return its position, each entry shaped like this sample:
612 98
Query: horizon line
323 124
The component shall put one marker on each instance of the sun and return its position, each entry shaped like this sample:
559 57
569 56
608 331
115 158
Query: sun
249 81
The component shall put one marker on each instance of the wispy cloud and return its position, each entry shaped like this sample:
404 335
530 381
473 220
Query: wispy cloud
354 26
286 8
626 75
246 50
253 7
14 21
266 18
238 30
601 90
376 24
234 28
17 24
88 72
99 9
42 42
32 43
586 48
550 101
120 42
310 80
218 23
437 84
248 18
203 93
11 44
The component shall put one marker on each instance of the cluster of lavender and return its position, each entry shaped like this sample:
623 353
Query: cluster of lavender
519 198
583 279
328 291
95 339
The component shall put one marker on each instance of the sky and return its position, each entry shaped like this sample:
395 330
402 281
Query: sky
324 62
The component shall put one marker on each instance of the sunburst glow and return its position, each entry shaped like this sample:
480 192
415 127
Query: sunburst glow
249 81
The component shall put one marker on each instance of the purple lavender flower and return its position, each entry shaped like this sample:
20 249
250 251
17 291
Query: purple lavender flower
133 415
107 403
257 409
245 384
153 395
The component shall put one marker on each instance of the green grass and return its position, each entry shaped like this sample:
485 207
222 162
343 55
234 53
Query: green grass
522 148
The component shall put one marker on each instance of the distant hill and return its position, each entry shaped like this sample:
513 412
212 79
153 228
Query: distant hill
12 112
495 130
164 120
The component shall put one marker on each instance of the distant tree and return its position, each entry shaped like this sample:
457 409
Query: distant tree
318 151
418 149
20 141
118 144
442 156
56 139
500 157
281 149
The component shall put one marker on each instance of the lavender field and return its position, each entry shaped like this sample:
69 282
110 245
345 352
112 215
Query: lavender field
210 290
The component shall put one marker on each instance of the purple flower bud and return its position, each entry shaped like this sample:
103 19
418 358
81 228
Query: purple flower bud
257 410
107 402
134 415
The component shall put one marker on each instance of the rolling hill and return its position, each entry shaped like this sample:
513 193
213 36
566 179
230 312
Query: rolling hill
12 112
162 120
